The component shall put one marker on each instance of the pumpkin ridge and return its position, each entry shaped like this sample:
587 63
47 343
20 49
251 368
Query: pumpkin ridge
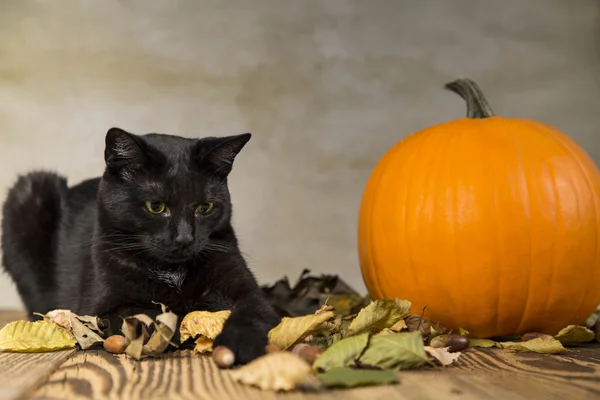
407 192
477 105
584 173
528 193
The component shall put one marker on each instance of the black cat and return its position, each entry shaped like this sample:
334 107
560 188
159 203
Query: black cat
154 228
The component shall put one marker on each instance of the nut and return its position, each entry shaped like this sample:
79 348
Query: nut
116 344
307 352
535 335
454 343
223 357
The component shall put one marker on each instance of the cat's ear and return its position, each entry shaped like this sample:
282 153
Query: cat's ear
123 150
217 154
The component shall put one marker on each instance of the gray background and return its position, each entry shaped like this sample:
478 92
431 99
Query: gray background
326 87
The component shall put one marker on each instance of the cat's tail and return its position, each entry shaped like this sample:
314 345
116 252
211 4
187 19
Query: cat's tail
31 215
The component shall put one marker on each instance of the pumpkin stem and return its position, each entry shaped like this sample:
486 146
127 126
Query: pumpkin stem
477 105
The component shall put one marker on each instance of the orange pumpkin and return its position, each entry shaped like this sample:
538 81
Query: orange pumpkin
492 224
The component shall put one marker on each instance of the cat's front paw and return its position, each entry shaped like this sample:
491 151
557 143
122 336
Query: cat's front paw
247 342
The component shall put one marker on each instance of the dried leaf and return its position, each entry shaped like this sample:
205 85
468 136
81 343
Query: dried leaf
442 355
399 326
463 332
85 328
203 345
378 315
274 371
141 343
290 330
203 323
344 304
350 377
402 350
534 345
386 331
474 342
35 337
575 334
342 353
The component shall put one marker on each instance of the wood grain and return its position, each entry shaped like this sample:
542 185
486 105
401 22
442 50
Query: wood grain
480 374
18 371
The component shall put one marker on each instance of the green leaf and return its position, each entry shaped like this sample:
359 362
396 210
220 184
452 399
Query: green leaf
349 377
575 334
535 345
402 350
35 337
378 315
474 342
342 353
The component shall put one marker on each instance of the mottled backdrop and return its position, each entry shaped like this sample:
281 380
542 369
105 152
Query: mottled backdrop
326 87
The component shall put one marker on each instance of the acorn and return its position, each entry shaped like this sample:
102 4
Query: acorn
116 344
223 357
454 343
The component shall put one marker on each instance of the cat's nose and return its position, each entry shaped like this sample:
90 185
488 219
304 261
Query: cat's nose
184 238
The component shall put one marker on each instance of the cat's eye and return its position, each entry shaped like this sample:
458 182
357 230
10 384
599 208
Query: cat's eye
155 207
205 209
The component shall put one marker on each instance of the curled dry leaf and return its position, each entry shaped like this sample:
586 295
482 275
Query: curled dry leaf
35 337
575 334
379 315
442 355
342 353
534 345
402 350
85 329
290 330
204 325
141 343
274 371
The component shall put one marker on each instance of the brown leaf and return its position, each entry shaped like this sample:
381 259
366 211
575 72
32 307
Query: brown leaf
141 343
85 328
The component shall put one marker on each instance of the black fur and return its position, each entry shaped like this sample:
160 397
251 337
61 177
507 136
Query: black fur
95 249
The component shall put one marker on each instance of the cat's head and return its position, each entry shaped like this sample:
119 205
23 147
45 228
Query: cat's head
166 197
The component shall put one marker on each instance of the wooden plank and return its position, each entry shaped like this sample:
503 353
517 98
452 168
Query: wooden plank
480 374
19 372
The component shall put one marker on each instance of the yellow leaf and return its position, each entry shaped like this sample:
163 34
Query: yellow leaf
575 334
203 345
290 330
474 342
378 315
537 345
35 337
204 323
399 326
274 371
442 355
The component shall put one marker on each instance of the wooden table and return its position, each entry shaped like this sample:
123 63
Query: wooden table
478 374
